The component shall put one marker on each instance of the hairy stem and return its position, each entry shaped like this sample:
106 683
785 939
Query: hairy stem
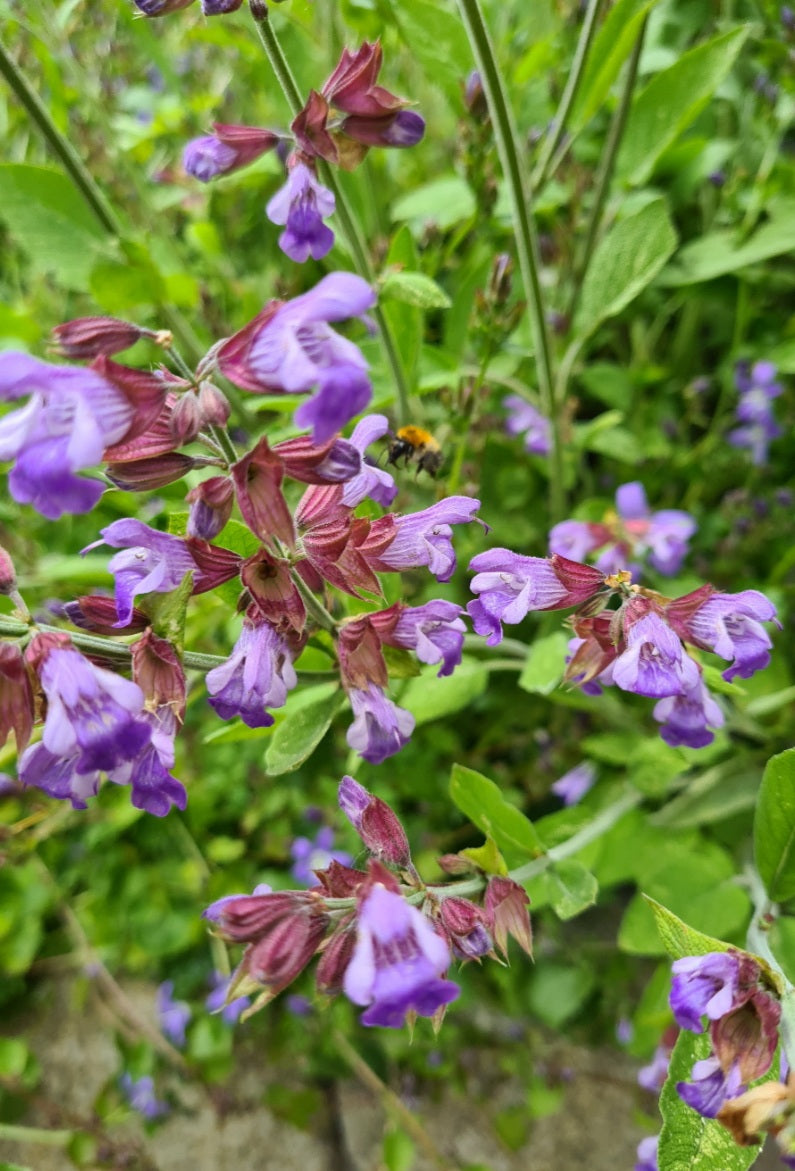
558 127
356 243
512 161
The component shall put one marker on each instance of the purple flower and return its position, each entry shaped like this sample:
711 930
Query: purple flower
647 1153
711 1086
226 150
575 539
153 788
372 481
687 718
216 999
298 1005
425 537
140 1093
258 674
654 663
509 587
435 632
72 415
524 419
151 562
665 533
398 962
295 350
757 387
93 715
652 1076
172 1014
574 784
205 158
707 985
729 625
629 534
309 856
380 728
301 205
213 913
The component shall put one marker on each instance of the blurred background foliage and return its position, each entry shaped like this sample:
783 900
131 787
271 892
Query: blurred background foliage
651 397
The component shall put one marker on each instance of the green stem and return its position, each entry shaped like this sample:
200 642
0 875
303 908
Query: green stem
512 162
555 136
83 180
34 1134
345 215
391 1102
605 175
317 610
61 146
193 660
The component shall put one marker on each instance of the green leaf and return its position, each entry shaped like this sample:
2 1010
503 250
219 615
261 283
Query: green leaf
299 733
558 991
50 221
484 805
398 1151
545 663
680 940
437 41
405 320
13 1057
724 251
690 1142
569 888
414 288
774 827
167 611
445 202
612 46
428 697
672 100
625 261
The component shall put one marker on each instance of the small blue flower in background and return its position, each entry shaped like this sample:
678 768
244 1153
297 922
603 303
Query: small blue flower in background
311 855
172 1014
140 1093
574 784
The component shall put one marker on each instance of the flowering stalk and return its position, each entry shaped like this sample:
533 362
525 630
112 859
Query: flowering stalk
507 139
361 259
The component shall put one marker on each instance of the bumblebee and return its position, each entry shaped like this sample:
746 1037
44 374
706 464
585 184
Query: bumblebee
413 444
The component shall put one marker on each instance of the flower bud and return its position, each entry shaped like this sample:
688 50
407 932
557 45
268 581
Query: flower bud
464 926
143 475
8 577
284 951
245 918
403 129
475 97
333 462
160 7
376 823
213 405
210 507
88 337
100 616
334 961
186 418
